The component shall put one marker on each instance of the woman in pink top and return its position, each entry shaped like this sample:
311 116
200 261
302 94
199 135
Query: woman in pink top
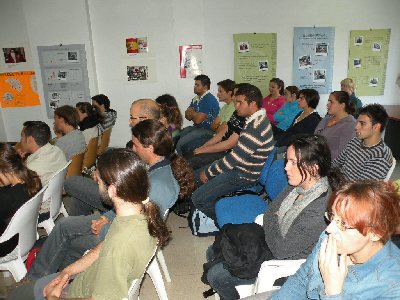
275 100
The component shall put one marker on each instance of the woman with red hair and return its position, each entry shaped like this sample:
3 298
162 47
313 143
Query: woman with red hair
355 258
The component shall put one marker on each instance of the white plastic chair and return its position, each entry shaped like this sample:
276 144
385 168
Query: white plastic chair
24 223
153 270
160 255
54 195
389 174
270 270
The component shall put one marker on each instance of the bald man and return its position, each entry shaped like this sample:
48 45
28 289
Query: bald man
84 191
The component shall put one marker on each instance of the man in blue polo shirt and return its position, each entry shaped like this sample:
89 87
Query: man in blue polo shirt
202 111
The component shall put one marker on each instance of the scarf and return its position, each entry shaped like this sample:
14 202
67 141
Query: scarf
290 208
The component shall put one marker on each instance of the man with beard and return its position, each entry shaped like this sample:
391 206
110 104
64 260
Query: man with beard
107 270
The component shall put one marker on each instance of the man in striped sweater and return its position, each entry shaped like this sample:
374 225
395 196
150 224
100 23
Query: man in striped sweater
242 166
366 156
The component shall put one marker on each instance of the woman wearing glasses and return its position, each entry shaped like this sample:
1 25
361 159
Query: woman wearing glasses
355 258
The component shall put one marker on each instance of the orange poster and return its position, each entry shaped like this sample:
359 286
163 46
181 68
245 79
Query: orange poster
18 89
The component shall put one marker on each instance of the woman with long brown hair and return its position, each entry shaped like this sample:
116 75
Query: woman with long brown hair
17 185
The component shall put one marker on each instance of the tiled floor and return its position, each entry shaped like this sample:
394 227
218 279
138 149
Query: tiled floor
184 256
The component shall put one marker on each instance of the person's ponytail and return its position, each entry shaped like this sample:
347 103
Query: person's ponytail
183 173
156 225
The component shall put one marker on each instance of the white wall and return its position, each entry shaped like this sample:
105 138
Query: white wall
103 26
13 33
42 23
171 23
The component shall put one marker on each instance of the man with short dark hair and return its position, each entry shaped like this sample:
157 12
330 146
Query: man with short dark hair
366 156
45 159
72 140
109 115
202 111
242 166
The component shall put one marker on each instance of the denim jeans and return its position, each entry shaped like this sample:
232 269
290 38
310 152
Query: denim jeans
85 196
192 137
222 281
201 160
67 242
206 195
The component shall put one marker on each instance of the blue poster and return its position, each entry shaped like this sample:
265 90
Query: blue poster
313 58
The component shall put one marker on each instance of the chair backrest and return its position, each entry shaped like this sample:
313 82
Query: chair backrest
134 288
89 158
272 270
54 191
105 141
389 174
264 172
75 168
276 179
24 222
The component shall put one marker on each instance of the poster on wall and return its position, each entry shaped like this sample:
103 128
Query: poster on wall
190 61
14 55
18 89
64 75
368 54
313 58
136 45
255 59
137 73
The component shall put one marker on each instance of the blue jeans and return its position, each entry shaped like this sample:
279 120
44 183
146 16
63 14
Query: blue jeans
85 196
206 195
67 242
222 281
192 137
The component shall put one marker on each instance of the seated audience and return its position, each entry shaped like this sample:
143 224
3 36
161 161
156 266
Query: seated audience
338 125
220 144
107 270
84 191
17 185
45 159
240 167
347 85
109 115
305 121
170 179
202 111
71 140
366 156
354 258
89 120
171 112
294 221
275 100
285 115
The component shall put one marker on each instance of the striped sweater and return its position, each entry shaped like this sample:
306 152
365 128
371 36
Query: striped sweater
252 149
357 162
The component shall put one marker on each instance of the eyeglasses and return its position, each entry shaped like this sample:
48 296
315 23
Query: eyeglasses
340 224
137 118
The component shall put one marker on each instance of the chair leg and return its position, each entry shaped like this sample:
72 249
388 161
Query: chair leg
63 210
17 269
163 265
48 225
155 274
